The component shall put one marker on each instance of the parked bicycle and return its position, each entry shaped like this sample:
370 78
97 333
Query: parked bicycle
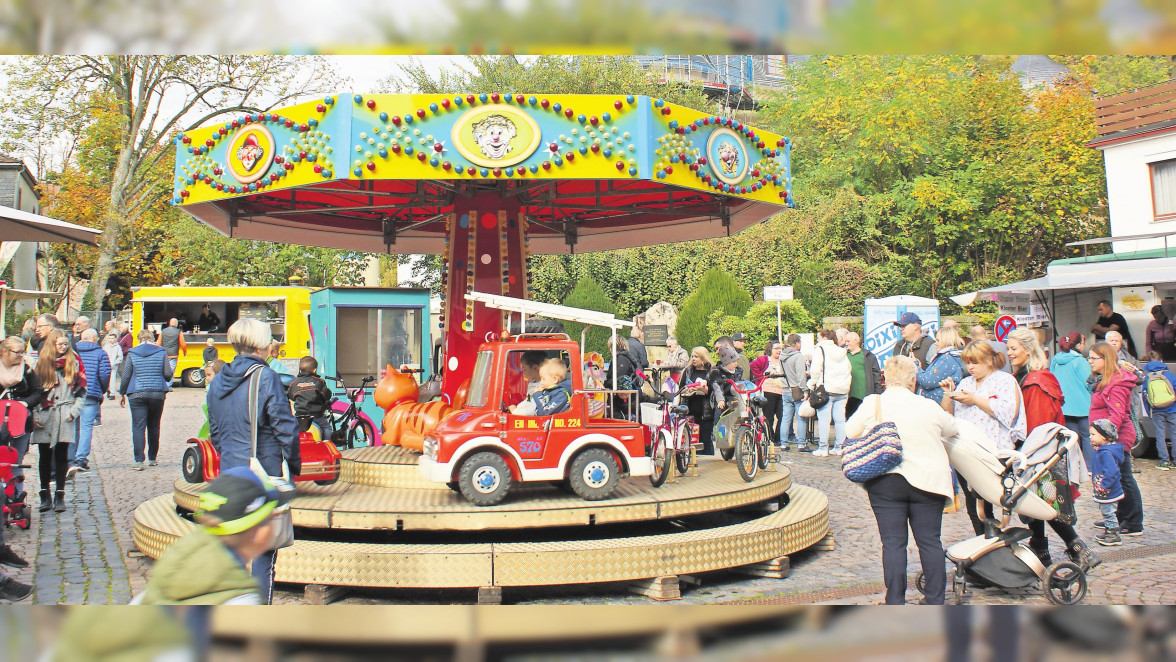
350 427
671 441
753 442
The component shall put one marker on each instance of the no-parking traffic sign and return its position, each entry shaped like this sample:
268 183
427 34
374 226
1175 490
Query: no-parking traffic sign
1004 324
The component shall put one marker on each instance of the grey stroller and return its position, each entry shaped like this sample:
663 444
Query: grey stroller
1035 481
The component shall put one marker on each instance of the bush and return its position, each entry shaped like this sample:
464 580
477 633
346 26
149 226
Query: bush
716 291
590 296
759 324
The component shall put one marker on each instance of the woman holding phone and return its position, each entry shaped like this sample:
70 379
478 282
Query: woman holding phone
694 388
991 399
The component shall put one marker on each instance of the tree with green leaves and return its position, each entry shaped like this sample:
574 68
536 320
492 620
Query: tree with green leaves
587 295
717 291
153 99
758 324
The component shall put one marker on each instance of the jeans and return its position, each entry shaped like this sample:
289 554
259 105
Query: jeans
90 413
145 415
790 423
263 571
1165 423
1110 516
897 505
1130 507
1081 425
1003 633
836 407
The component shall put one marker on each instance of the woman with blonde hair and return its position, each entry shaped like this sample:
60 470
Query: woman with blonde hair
990 399
63 388
1043 398
1111 399
695 387
945 364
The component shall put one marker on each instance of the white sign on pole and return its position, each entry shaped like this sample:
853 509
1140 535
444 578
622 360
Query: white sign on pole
1037 315
1014 304
778 293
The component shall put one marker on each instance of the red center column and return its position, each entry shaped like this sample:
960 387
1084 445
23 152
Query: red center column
485 252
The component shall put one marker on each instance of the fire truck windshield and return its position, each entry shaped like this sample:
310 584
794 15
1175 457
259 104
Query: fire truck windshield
480 382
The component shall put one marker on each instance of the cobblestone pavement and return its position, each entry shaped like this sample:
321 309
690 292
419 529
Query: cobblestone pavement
86 554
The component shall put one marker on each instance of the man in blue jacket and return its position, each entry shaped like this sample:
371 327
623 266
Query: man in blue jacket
96 366
228 419
1164 418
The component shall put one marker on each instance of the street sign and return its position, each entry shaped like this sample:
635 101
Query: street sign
778 293
1004 325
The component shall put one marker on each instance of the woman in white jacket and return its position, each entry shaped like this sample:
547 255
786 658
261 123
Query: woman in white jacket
831 368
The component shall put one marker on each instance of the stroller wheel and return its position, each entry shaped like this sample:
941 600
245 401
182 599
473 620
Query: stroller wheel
959 587
921 583
1064 583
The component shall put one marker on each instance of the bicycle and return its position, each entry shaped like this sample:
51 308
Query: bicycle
671 440
350 427
753 441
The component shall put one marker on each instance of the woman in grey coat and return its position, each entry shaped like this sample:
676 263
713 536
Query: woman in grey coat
63 384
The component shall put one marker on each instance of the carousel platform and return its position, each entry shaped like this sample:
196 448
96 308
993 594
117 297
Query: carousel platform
381 525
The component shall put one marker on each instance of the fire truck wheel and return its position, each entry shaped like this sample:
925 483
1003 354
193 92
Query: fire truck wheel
192 465
485 478
594 474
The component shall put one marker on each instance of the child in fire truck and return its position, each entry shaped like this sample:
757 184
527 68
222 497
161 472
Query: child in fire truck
554 395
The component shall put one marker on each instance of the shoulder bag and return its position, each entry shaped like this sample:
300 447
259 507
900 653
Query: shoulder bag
874 454
819 397
283 523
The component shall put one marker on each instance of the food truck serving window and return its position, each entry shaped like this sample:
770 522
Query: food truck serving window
219 317
368 339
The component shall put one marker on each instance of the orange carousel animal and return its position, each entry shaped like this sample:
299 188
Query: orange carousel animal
407 420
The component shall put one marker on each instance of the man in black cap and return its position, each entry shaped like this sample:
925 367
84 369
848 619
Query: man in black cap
913 343
208 565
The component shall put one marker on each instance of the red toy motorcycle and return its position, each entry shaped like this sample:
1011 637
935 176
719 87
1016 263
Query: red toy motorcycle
320 461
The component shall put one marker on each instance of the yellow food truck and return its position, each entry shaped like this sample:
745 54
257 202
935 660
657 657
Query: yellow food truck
286 309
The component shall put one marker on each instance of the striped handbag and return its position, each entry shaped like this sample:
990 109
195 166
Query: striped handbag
875 453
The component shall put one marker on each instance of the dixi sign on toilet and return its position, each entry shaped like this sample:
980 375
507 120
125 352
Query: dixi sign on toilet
880 314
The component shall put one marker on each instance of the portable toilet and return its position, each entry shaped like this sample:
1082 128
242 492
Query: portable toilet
358 331
880 315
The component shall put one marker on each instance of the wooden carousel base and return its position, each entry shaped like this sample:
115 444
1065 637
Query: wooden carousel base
353 506
360 534
800 524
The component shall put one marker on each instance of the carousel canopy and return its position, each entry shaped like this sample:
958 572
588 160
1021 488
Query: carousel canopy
381 173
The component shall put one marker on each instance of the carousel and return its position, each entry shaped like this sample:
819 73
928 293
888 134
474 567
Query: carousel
487 180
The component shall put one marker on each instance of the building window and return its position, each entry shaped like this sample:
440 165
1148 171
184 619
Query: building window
1163 181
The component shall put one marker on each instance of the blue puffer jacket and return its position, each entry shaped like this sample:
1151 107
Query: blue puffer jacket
553 400
146 368
946 364
228 418
96 365
1104 469
1072 370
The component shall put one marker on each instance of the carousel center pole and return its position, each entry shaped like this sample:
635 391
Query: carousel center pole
485 251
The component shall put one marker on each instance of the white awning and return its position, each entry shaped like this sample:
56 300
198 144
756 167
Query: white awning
17 225
1084 276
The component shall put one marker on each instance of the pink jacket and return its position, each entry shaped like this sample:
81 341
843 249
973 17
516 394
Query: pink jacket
1114 404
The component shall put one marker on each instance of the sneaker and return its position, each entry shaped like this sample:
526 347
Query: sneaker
804 449
1134 533
10 558
138 466
835 451
1100 526
785 448
1109 538
152 463
820 453
83 465
71 472
1164 466
14 591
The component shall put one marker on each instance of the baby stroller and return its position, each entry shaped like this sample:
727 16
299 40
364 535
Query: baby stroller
1036 481
15 510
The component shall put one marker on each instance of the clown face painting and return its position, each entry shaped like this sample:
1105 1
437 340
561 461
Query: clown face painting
250 153
729 158
493 135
